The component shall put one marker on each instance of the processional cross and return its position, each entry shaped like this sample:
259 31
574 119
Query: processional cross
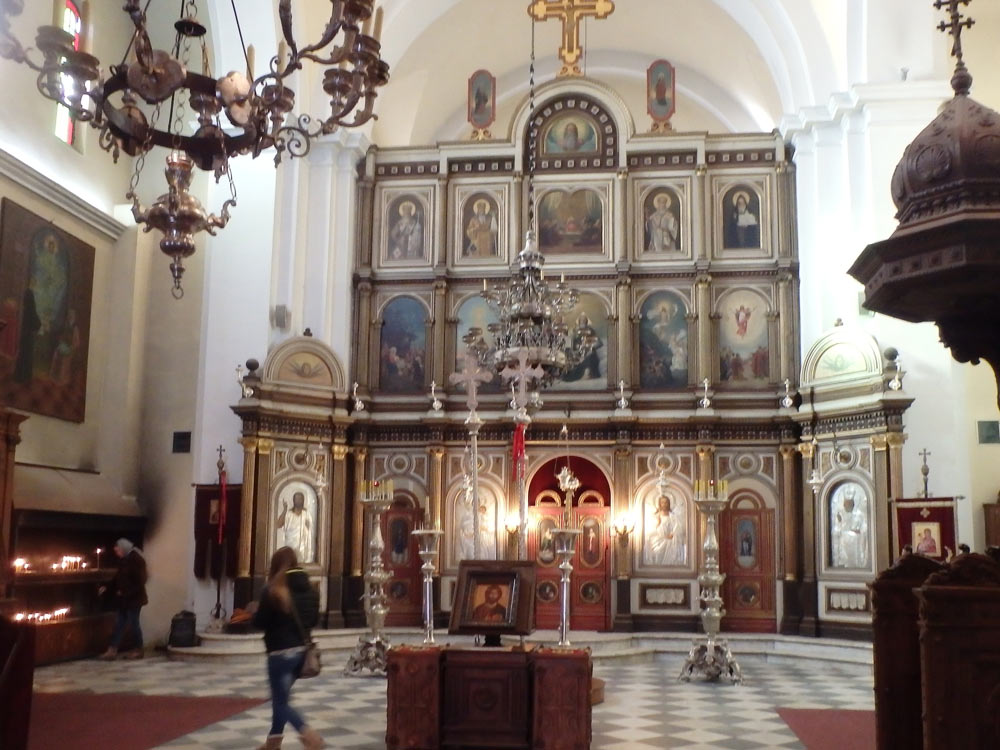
956 25
570 12
520 376
471 376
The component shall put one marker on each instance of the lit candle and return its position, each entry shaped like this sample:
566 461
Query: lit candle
562 278
19 565
378 25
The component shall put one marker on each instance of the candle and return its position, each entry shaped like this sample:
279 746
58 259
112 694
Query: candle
19 565
282 55
484 285
251 54
378 25
366 27
562 278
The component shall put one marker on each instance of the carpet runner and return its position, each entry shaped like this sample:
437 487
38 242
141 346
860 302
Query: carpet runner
831 729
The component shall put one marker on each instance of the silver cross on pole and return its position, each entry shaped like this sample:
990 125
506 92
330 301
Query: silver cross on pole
471 376
520 376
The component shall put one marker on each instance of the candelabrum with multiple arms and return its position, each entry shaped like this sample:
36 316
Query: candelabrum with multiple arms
428 540
370 653
710 656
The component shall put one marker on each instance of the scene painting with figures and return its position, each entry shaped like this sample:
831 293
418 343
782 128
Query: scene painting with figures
571 222
743 344
663 353
589 318
401 358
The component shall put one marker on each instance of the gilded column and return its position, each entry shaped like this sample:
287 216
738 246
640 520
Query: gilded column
622 505
440 331
247 503
703 300
808 451
786 335
338 534
261 506
626 343
895 442
436 485
358 512
621 178
701 202
362 358
788 557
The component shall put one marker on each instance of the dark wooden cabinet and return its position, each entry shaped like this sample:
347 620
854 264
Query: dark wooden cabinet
495 699
992 512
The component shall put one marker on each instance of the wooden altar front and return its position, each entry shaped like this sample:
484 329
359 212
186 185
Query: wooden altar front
453 698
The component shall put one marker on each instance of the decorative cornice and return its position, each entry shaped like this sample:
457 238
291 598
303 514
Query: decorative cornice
54 193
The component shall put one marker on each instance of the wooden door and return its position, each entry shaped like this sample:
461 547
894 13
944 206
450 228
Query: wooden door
400 557
545 516
591 583
746 556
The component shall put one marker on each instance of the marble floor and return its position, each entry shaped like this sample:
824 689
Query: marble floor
645 707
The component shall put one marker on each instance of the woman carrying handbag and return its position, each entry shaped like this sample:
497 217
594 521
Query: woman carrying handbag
288 609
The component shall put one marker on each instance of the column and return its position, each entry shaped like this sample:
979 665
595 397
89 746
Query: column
621 505
440 332
242 587
262 509
364 330
626 340
338 533
358 512
788 562
703 300
434 506
808 590
618 201
786 314
895 442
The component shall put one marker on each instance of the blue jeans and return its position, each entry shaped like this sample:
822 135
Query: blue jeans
282 669
127 618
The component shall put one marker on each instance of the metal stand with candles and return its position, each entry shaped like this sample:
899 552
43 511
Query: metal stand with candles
429 540
711 656
370 653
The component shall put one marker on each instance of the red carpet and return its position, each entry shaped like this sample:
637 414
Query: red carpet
831 729
86 721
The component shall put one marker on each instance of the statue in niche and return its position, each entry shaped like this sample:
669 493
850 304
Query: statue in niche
666 534
849 527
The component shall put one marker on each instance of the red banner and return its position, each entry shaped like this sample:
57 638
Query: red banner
518 450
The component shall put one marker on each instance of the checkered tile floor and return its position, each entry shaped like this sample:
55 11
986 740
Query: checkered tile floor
645 708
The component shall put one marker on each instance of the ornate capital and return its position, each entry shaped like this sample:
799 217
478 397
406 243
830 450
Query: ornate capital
360 453
265 446
788 451
808 450
704 451
895 439
878 441
249 444
436 451
339 451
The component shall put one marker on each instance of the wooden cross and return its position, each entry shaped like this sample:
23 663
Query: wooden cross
470 377
956 25
521 375
570 12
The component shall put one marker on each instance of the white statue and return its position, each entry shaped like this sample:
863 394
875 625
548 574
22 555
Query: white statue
296 525
849 527
666 533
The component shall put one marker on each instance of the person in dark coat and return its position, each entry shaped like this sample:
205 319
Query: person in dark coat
129 588
287 594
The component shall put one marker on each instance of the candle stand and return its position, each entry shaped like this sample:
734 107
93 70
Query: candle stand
370 653
429 540
565 544
710 656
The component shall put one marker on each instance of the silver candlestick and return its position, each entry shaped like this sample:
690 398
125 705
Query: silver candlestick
370 653
710 656
565 544
429 540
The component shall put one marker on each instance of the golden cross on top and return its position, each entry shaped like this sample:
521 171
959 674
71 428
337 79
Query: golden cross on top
570 12
956 25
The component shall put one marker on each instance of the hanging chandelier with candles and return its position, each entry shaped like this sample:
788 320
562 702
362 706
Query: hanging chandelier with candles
126 105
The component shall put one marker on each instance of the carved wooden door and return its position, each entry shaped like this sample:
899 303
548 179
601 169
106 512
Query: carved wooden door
590 584
746 556
544 517
402 561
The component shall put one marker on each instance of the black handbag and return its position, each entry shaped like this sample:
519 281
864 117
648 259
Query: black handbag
311 664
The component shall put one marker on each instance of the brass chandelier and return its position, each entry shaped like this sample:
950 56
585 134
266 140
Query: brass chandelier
125 105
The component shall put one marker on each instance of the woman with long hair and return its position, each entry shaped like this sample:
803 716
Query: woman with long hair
288 609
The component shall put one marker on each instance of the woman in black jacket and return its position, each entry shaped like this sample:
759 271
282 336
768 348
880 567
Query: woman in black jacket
288 609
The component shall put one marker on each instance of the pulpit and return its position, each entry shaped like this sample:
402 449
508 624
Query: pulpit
460 699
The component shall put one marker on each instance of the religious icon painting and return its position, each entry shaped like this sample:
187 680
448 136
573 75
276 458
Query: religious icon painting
849 524
744 354
741 222
574 133
547 592
587 320
482 99
661 222
480 234
746 543
663 341
405 227
926 525
591 592
572 221
660 91
296 521
664 530
46 280
546 541
402 350
591 542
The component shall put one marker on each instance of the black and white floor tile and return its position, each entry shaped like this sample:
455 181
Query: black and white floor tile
645 707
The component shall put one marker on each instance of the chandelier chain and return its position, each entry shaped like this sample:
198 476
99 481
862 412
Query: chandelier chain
532 132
